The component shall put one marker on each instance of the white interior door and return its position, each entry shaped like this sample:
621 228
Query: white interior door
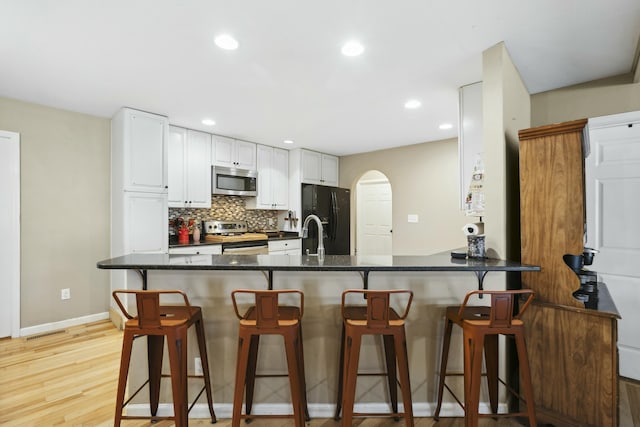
10 232
612 177
374 219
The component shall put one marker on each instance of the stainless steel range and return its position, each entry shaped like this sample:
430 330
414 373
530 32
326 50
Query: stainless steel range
235 237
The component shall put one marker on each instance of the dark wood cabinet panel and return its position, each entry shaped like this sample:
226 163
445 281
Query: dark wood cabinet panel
572 350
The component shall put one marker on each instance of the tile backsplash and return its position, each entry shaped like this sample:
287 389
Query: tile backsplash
229 208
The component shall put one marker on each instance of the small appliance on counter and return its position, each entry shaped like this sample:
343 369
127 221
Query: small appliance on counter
588 291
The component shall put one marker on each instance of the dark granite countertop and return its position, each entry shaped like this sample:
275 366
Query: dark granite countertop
437 262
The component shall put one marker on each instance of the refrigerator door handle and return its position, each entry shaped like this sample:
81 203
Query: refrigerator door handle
334 214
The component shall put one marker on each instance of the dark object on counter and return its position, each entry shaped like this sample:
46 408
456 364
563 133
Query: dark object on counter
331 205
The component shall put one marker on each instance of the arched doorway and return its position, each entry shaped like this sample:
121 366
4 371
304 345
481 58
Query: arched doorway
373 214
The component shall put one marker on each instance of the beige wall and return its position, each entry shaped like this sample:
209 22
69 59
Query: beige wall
65 169
613 95
424 181
506 109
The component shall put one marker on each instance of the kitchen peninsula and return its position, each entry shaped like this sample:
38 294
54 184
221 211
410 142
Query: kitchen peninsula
437 280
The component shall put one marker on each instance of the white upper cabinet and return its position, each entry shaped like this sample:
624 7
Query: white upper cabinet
319 168
140 151
233 153
273 179
189 168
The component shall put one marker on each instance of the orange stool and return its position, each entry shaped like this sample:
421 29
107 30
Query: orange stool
481 326
375 318
156 322
267 317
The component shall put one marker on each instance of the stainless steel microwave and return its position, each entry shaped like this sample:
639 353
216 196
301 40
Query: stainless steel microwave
234 182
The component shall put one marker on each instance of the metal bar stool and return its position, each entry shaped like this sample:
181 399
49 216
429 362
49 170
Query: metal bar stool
377 317
156 322
267 317
481 326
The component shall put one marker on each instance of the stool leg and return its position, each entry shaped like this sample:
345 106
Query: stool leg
252 363
448 327
177 345
155 347
352 356
491 361
525 375
125 358
303 385
241 372
292 349
340 377
202 346
392 377
405 383
473 344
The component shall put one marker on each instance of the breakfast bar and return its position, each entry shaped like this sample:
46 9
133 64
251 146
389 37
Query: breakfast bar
437 280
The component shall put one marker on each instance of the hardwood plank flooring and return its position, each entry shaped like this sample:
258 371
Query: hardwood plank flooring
69 378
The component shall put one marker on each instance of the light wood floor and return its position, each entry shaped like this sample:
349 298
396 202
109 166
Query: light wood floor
69 378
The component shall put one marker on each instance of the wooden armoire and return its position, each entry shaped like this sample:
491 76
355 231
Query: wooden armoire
572 349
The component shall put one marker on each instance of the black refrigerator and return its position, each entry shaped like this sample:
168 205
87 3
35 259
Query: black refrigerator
331 205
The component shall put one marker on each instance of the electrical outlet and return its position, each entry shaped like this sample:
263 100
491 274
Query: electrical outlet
198 366
65 293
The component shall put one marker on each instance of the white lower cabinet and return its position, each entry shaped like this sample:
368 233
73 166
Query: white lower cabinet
197 250
145 228
285 247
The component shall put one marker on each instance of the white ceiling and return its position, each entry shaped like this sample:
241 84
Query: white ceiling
288 79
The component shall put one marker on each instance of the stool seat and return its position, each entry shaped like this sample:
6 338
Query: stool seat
481 326
156 322
267 317
377 317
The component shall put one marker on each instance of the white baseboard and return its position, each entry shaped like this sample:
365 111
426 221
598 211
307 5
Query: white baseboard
316 410
55 326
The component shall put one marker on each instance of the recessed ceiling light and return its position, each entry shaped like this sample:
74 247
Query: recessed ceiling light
412 104
225 41
445 126
288 141
208 122
352 48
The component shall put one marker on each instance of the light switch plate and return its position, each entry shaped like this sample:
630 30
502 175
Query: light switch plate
412 218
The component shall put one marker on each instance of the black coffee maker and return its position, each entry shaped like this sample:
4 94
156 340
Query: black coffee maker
588 292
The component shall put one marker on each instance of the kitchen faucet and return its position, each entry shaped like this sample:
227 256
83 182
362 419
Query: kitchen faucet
305 233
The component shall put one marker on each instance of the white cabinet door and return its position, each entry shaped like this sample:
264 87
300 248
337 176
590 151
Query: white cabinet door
145 151
232 153
273 179
329 169
319 168
176 173
146 225
223 152
285 247
198 169
311 167
264 199
245 155
197 250
280 179
189 168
